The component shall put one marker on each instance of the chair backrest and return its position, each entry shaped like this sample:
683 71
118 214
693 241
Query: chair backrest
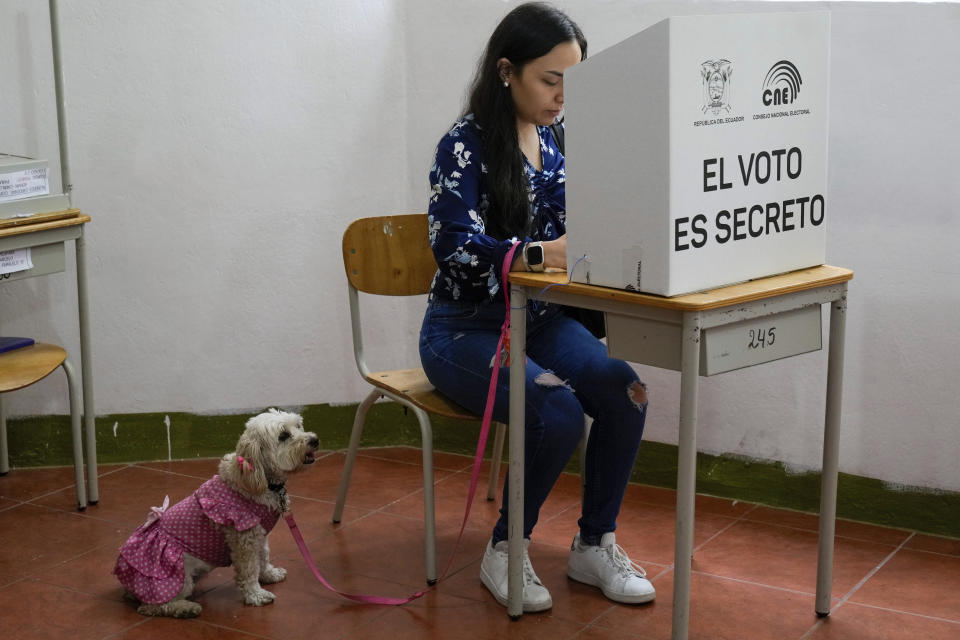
389 255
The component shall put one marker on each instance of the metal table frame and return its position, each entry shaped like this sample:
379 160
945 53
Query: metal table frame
49 233
696 314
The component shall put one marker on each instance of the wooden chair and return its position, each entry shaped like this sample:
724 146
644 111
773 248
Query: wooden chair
23 367
391 256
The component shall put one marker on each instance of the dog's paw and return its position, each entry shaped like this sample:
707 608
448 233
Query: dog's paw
187 610
259 597
272 575
173 609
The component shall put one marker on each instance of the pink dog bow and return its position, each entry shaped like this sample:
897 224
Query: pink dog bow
244 464
156 512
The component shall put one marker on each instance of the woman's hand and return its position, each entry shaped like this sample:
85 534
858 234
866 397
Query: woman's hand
555 253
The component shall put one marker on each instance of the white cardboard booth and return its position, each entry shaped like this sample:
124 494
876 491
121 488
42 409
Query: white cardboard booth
697 153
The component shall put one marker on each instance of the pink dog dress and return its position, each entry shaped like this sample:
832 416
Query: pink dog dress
150 564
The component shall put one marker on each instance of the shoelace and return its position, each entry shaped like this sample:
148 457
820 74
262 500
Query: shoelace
623 563
529 577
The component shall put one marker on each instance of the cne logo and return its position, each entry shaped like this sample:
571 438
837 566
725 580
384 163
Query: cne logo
782 84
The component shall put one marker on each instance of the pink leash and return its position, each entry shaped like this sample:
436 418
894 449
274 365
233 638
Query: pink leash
316 572
474 476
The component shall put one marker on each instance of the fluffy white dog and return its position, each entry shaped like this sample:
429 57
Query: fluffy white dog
225 522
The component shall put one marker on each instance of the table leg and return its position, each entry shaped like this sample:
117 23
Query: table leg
831 454
4 453
518 371
75 434
86 369
686 473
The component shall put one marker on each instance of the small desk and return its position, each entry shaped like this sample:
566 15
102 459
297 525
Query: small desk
676 331
46 235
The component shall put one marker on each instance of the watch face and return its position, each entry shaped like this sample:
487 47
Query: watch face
534 254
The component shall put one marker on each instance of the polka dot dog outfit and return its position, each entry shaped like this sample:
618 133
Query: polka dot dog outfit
150 564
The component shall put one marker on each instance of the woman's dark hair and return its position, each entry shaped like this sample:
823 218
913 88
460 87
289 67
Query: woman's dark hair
529 31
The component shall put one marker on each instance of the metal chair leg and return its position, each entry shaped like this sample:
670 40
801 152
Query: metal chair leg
355 435
429 517
74 393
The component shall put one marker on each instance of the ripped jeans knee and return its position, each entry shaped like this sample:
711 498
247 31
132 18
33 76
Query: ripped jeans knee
637 392
550 379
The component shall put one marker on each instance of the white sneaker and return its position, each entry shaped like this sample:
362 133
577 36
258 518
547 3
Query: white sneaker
608 567
493 575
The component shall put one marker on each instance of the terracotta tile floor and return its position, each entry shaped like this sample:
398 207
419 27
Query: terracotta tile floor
754 567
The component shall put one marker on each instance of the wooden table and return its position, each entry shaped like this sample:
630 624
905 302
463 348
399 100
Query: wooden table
46 235
698 334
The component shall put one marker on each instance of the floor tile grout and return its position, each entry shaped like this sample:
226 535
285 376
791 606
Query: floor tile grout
907 613
857 586
753 583
874 571
37 577
123 631
244 632
87 513
816 531
167 471
720 532
6 585
932 553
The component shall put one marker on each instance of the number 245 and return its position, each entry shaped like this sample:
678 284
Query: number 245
760 338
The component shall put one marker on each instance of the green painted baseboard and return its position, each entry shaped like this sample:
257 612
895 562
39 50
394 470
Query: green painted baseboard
45 441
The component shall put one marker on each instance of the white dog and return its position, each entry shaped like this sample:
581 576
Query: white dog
226 521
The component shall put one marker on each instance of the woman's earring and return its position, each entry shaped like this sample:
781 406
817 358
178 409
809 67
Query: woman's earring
506 84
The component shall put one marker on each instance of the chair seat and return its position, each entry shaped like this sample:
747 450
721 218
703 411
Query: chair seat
413 385
22 367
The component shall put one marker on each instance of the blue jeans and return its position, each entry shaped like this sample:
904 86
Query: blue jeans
568 374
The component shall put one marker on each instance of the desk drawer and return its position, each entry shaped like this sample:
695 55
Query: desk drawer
722 348
47 258
749 342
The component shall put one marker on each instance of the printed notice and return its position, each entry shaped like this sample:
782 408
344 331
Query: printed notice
15 260
15 185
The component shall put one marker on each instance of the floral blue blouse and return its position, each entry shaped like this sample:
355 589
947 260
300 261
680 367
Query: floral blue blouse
469 261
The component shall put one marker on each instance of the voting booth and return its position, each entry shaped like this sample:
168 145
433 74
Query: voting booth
697 153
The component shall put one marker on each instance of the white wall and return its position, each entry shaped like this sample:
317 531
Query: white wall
222 147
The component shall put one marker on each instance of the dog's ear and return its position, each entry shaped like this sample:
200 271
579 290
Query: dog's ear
252 478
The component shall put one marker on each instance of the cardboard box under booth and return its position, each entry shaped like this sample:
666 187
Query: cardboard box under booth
697 153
